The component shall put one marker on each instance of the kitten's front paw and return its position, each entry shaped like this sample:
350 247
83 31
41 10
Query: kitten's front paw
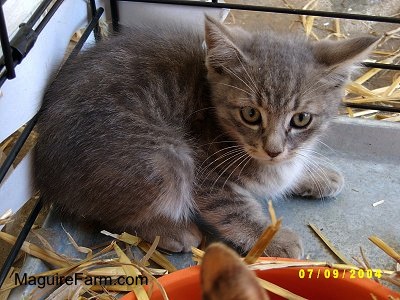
285 243
181 240
324 183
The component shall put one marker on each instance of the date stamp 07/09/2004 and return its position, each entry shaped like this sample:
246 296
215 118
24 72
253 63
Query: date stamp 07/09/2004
339 274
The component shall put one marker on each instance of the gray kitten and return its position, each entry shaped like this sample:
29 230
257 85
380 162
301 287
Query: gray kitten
151 133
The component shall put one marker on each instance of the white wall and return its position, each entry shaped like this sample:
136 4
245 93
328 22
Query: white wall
21 97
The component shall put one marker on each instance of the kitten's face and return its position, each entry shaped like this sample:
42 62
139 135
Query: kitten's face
275 95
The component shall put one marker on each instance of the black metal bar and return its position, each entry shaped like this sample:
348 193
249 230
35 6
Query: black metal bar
114 15
283 10
96 29
17 147
48 16
38 13
382 66
25 38
372 106
86 33
18 243
3 76
5 45
279 10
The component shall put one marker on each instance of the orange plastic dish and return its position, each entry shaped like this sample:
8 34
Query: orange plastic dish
185 284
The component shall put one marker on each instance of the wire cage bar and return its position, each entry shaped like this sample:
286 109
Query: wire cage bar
16 50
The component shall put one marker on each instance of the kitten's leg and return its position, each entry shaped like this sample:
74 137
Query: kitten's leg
162 200
319 181
239 219
174 237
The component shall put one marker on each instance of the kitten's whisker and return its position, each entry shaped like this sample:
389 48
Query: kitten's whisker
237 159
320 157
235 87
312 153
327 146
218 136
218 142
316 87
248 75
319 171
312 177
220 150
313 81
234 154
238 77
244 159
232 157
231 151
198 110
248 160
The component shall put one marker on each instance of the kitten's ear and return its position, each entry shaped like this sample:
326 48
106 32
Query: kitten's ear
225 277
344 53
221 48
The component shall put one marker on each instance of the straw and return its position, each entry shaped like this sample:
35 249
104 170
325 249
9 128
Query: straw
265 238
269 286
329 244
385 247
44 254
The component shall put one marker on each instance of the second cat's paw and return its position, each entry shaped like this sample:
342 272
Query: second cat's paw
285 243
324 183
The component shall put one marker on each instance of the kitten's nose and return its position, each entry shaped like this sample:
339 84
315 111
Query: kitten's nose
273 154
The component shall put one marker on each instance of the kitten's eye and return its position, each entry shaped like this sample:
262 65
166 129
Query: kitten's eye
250 115
300 120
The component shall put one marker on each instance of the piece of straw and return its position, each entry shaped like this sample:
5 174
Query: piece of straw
337 26
356 88
273 288
130 270
366 262
124 237
44 254
329 244
308 21
158 258
395 85
350 112
372 72
78 248
151 250
265 238
6 217
385 247
4 293
392 119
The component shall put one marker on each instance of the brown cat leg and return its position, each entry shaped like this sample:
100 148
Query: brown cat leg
240 220
319 182
225 277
